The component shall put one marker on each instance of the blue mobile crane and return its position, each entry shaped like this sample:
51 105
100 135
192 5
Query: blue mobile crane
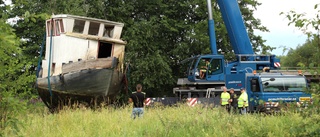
249 71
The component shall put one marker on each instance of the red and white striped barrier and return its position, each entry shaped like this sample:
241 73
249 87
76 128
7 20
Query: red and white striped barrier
147 102
192 101
277 64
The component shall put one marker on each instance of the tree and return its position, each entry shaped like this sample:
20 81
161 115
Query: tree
303 55
311 27
169 36
9 56
307 56
10 73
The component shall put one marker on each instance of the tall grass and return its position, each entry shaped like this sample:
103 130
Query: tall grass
156 122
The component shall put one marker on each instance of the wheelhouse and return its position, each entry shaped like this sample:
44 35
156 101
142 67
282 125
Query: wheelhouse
71 38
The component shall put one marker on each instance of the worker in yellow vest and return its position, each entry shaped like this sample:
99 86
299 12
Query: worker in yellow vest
224 101
243 102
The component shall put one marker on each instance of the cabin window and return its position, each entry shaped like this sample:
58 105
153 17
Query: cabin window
78 26
191 70
49 26
53 66
215 67
108 31
61 26
105 50
94 28
255 86
57 27
285 84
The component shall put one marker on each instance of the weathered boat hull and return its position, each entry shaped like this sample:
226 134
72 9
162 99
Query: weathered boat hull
89 85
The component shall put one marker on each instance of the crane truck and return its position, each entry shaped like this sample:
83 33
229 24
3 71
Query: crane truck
250 71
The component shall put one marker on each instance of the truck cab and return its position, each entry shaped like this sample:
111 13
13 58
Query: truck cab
266 91
206 68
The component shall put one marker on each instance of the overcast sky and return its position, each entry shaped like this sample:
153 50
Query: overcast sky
280 33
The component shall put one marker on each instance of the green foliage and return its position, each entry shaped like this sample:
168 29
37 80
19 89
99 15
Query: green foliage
12 76
310 126
10 108
307 53
4 9
30 28
303 55
300 21
9 58
307 57
164 121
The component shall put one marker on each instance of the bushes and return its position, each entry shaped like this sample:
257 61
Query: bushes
310 126
10 107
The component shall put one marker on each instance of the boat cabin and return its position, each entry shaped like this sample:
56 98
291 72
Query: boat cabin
71 39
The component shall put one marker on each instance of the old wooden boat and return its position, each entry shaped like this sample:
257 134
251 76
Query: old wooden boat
84 61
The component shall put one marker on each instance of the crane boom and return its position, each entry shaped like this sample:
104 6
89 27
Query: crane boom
212 35
234 23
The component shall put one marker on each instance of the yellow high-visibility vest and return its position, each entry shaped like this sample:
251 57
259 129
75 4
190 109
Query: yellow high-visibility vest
225 96
243 98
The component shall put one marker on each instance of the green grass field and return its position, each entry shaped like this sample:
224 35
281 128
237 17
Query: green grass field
157 122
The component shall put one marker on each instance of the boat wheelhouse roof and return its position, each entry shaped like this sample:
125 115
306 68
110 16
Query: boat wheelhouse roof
86 28
87 18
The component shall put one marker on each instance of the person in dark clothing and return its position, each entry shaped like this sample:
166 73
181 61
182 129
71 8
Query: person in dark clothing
138 98
233 101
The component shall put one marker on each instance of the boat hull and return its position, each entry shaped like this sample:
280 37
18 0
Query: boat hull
92 86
